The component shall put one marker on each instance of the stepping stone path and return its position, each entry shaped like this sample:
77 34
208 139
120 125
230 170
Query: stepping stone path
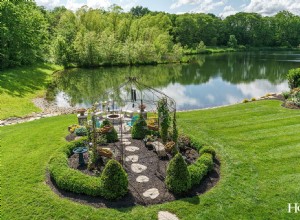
142 179
132 158
151 193
164 215
131 148
126 142
138 168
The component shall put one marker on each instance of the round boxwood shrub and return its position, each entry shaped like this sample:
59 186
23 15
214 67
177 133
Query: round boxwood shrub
111 136
114 180
294 78
207 149
81 131
206 159
139 129
197 172
178 179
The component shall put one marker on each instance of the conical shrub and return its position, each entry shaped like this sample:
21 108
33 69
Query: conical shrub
178 178
114 180
139 129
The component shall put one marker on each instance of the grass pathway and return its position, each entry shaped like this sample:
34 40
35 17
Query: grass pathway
258 144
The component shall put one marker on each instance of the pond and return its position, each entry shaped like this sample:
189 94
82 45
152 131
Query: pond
207 81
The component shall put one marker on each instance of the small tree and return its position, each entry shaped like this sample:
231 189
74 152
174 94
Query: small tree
178 178
294 78
164 117
201 46
139 129
114 180
232 42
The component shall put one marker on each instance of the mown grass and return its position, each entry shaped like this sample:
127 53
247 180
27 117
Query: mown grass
19 86
258 144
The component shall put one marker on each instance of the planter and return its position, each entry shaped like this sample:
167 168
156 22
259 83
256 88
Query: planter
105 129
105 152
153 127
81 111
169 146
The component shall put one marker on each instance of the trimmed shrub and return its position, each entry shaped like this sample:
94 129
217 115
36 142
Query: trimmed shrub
81 131
197 172
111 136
293 78
139 129
69 179
114 180
206 159
207 149
286 95
178 179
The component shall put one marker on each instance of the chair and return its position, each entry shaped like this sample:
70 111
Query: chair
133 119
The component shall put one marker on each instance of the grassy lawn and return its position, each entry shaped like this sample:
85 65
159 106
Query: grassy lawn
258 144
20 85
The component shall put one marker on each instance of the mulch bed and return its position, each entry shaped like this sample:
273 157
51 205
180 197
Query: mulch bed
156 171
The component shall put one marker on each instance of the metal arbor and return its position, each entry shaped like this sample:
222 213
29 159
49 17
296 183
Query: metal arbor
132 97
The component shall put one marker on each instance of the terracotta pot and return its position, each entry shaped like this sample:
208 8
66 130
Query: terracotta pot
169 146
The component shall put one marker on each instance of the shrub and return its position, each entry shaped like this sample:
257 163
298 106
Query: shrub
81 131
206 159
245 100
111 136
294 78
114 180
286 95
69 179
197 172
207 149
178 179
139 129
253 99
165 119
295 96
101 139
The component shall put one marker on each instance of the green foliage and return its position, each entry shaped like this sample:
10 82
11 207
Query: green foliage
232 42
197 172
105 123
294 78
139 129
201 46
165 119
202 166
101 140
111 136
207 149
178 179
286 94
114 180
295 96
206 159
69 179
81 131
175 131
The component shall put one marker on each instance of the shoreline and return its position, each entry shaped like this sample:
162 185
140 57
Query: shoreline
50 109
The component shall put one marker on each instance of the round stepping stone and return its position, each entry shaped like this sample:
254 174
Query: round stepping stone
164 215
131 148
127 142
142 179
132 158
151 193
138 168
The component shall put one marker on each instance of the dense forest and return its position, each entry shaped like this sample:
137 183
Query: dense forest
94 37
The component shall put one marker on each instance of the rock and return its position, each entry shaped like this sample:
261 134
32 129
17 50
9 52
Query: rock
159 148
151 193
131 148
126 142
132 158
164 215
138 168
142 179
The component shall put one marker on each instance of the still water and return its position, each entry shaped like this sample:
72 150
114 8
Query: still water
207 81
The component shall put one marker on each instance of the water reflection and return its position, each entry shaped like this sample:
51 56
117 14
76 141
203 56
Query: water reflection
209 80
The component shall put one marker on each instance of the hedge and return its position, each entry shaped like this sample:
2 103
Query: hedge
73 180
201 167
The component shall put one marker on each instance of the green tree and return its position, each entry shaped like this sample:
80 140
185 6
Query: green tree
232 42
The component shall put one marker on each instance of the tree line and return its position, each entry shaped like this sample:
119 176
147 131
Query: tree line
94 37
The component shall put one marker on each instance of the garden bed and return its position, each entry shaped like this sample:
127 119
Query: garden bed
156 172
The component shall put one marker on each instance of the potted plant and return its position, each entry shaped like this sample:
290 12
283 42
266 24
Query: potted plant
142 107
